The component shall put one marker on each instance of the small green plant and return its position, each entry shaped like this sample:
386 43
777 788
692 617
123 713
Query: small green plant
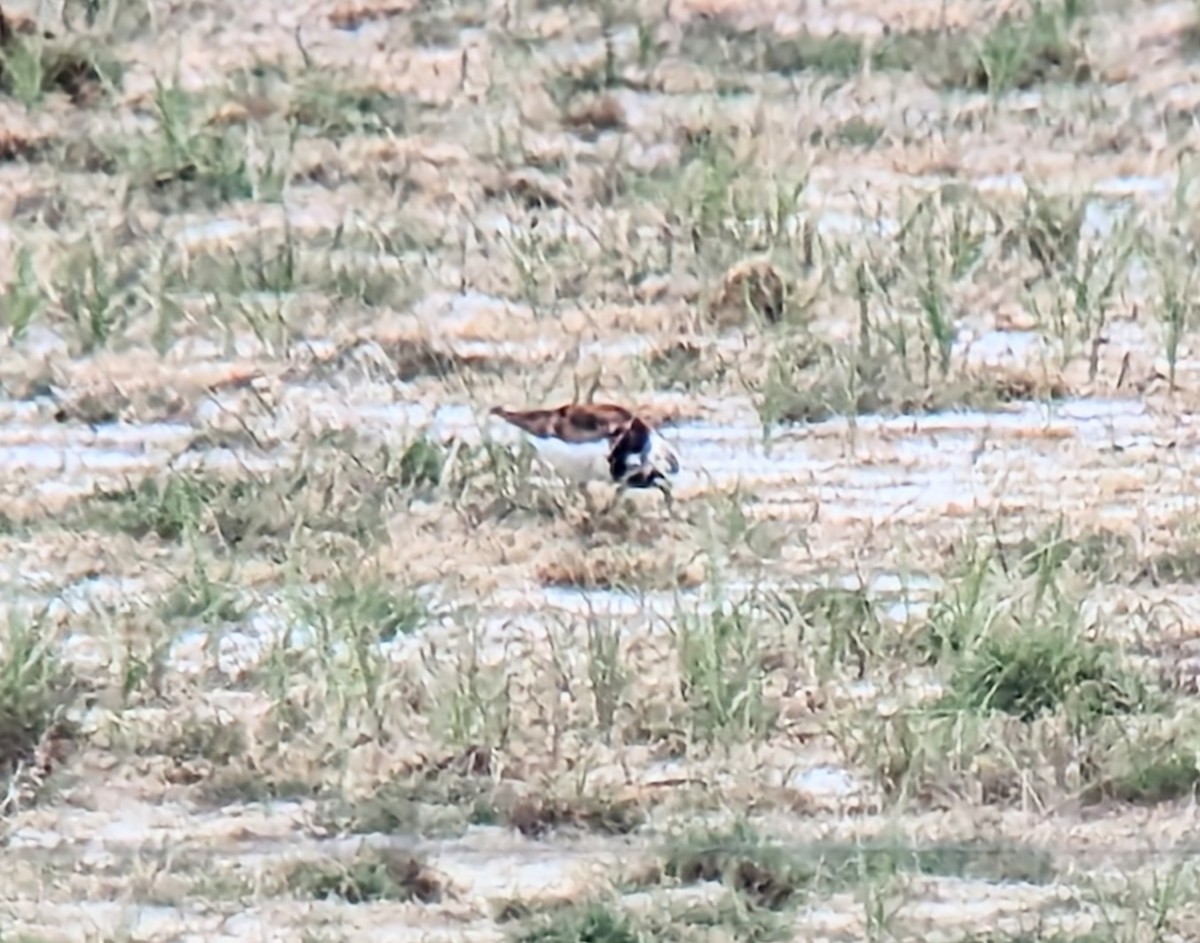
348 623
762 872
1050 230
1180 565
721 671
538 814
1149 776
841 625
437 801
607 675
338 493
793 391
1177 306
91 296
422 463
963 612
857 132
198 162
478 708
1019 647
241 780
1100 553
718 42
368 876
23 299
769 874
594 923
200 597
169 508
1044 663
334 111
36 690
200 738
1020 53
31 67
358 606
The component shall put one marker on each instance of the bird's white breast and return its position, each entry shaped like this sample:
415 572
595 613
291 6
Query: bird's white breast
575 461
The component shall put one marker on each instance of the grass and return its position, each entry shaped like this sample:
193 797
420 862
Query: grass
721 674
201 739
1016 51
1161 773
1035 670
36 693
370 605
1016 661
773 875
1031 653
279 600
612 568
369 876
595 924
31 69
1023 650
257 510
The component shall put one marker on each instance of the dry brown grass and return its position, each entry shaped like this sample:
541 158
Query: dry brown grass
620 568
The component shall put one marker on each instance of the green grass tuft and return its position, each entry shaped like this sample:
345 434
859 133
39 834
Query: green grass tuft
369 876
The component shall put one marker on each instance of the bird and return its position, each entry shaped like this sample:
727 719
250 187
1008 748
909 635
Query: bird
587 441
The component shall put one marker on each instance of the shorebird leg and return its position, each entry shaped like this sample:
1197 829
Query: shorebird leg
587 500
663 486
622 487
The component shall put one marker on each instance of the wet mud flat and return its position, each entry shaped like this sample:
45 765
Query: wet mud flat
297 642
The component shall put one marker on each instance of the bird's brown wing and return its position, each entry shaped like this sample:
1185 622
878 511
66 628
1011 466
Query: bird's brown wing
574 422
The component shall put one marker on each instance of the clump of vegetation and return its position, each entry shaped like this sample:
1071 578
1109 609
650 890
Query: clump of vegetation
333 111
371 875
333 492
459 792
1020 648
32 66
365 606
1180 565
683 206
722 676
196 738
168 508
191 161
763 873
1018 667
594 923
241 782
615 568
1021 52
1038 667
538 814
809 381
1014 52
36 692
1150 773
840 625
768 874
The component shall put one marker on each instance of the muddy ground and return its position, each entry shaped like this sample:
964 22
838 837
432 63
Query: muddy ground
299 644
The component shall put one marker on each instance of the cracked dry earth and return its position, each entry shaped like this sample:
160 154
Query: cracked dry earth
371 222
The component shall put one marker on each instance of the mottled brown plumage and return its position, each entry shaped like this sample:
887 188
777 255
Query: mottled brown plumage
573 422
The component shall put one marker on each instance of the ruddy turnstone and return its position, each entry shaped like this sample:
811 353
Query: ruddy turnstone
587 441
